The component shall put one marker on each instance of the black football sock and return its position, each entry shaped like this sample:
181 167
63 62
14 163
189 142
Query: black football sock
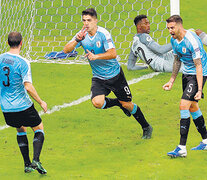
37 144
109 102
200 125
184 128
139 116
23 146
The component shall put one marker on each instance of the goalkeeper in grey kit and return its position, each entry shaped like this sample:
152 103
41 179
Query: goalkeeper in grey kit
159 57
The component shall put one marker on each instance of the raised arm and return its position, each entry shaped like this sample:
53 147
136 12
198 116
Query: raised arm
79 37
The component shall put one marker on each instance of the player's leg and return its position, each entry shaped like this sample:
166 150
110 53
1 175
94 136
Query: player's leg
99 101
139 116
102 102
200 125
189 90
14 119
123 93
180 150
33 120
24 148
37 147
100 89
185 120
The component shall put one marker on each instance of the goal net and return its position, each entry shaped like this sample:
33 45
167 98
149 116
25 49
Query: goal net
47 25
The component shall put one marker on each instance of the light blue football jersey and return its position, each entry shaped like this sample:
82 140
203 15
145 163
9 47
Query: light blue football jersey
14 71
189 48
100 43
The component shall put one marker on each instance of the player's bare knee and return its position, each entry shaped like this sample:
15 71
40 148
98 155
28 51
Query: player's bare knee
193 108
97 103
183 107
40 126
22 129
127 105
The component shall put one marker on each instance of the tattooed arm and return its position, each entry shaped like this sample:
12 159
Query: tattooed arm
176 68
199 76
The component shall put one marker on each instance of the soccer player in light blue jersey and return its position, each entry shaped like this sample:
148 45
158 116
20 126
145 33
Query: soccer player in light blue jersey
107 73
159 57
17 107
188 48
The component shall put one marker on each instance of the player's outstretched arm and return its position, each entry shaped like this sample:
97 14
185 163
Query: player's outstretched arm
176 68
154 46
161 49
33 93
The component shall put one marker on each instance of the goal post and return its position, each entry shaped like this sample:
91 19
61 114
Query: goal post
174 7
47 25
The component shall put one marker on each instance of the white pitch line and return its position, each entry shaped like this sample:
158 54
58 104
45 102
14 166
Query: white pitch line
85 98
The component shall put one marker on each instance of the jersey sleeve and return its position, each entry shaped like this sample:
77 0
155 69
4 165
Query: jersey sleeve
25 71
108 41
154 46
194 48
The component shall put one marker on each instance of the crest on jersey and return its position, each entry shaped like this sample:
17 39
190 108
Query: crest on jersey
149 39
184 50
98 44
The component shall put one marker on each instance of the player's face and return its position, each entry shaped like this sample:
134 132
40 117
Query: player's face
90 23
173 29
145 26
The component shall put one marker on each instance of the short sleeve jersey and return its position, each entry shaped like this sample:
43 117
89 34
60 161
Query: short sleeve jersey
100 43
189 48
14 71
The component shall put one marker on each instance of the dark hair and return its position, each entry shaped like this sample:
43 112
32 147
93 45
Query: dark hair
175 18
14 39
90 11
138 18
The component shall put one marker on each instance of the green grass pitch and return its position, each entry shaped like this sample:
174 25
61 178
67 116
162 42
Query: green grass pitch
82 142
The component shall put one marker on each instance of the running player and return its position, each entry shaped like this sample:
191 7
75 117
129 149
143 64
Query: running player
107 73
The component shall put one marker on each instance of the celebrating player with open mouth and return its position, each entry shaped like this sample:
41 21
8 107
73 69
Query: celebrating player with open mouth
188 48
